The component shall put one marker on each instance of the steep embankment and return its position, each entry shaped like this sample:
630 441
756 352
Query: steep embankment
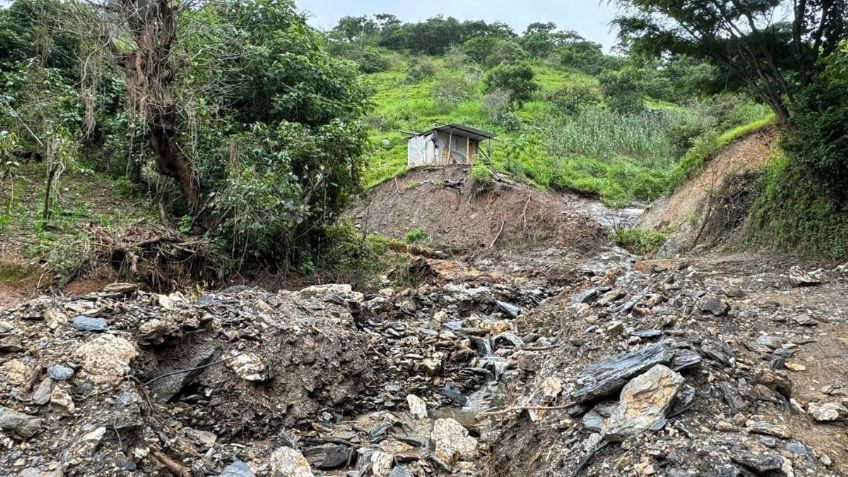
711 206
442 206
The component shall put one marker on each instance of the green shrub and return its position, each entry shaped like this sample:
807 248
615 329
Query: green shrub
795 212
517 79
623 91
639 241
418 236
482 177
419 69
573 98
451 89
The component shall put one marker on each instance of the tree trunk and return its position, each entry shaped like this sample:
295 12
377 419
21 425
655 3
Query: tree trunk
171 163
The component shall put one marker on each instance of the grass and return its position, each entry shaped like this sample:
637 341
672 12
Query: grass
618 158
85 199
639 241
707 146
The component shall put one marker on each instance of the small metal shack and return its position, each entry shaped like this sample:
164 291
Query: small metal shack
444 145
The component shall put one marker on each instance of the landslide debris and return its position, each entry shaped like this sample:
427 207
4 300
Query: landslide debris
681 369
321 381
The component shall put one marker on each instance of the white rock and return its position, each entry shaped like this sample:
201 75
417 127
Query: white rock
106 359
382 464
417 406
826 412
287 462
452 441
248 366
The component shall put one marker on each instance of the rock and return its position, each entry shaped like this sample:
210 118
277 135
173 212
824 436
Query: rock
11 344
248 366
800 278
685 359
205 438
62 398
718 351
417 406
88 443
713 304
508 308
172 381
452 442
684 401
551 388
826 412
767 428
16 372
237 469
58 372
586 296
106 359
593 421
18 423
287 462
774 380
329 456
400 471
123 288
647 334
793 366
759 461
382 464
86 323
41 395
643 402
610 375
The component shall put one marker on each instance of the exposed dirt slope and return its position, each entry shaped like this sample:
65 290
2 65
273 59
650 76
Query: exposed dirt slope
719 188
442 202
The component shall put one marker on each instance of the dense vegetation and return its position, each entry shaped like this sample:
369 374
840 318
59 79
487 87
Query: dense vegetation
241 124
568 116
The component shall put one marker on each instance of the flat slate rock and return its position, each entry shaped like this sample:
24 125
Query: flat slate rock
685 359
87 323
759 461
167 387
610 375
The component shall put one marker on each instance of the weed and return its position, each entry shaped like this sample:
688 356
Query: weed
417 236
639 241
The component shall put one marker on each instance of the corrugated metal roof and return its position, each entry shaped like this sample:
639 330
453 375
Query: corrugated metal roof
462 131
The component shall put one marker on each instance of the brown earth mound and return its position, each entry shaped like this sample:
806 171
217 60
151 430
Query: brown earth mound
443 203
695 209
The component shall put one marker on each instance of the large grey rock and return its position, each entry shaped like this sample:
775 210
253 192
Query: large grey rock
756 426
169 385
585 296
800 278
508 308
759 461
643 403
41 395
19 423
714 305
610 375
685 359
58 372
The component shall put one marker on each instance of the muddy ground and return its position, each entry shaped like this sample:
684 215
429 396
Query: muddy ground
535 357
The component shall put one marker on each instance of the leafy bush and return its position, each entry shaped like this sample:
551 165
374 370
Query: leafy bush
497 103
418 236
420 69
491 51
516 79
623 91
639 241
795 212
482 177
573 98
451 89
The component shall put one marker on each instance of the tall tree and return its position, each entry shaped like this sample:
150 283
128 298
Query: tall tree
771 46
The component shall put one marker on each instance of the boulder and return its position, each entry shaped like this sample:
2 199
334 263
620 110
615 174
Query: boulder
417 406
714 305
643 403
106 359
610 375
248 366
452 442
287 462
800 278
19 423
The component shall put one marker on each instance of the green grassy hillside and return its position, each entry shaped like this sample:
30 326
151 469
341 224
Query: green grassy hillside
566 137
